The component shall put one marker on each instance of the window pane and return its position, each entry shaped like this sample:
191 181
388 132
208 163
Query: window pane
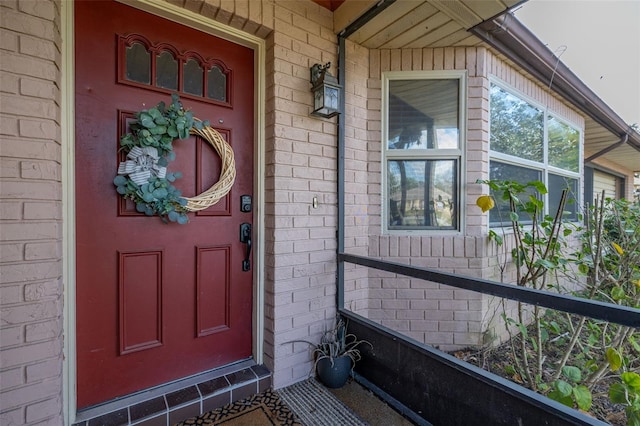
423 114
564 145
217 84
167 71
422 194
517 128
556 185
500 171
138 64
193 75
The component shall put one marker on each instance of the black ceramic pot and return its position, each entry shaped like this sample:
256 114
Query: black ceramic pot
336 375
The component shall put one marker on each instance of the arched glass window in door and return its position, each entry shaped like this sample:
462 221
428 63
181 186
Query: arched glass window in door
166 71
193 74
138 62
164 68
217 84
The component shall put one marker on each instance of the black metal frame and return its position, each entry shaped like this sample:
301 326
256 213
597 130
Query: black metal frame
589 308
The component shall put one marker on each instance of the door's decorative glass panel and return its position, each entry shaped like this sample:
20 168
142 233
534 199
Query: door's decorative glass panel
564 145
422 194
193 77
217 84
517 128
166 71
138 67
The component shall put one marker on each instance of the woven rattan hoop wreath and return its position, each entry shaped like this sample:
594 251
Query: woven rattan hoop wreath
227 172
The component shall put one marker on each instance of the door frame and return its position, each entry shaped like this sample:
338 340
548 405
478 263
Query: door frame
67 124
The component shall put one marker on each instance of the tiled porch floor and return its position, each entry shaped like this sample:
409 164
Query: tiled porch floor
173 403
198 395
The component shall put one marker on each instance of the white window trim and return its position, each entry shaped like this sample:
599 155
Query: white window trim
544 167
441 154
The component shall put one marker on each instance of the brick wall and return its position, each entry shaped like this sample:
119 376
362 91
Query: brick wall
30 214
442 316
300 158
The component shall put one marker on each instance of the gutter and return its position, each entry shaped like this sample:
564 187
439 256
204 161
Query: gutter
511 38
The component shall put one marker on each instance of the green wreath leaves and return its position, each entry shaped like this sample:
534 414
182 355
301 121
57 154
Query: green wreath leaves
143 176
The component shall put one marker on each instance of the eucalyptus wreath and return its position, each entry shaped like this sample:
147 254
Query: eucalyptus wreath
143 176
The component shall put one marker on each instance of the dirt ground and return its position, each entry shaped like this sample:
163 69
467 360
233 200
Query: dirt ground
498 359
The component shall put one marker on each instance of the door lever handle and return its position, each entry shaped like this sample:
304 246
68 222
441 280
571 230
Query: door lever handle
245 237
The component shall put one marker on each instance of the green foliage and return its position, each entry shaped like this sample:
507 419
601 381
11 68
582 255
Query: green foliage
627 392
566 356
570 392
158 127
539 239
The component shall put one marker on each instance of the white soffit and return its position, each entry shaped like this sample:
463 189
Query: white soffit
412 24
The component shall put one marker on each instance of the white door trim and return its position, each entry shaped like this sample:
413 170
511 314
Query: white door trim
206 25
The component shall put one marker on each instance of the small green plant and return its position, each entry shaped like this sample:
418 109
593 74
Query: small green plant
568 390
538 241
627 392
336 342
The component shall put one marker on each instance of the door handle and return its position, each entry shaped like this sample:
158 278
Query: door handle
245 237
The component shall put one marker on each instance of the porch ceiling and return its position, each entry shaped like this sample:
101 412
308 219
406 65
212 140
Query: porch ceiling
407 24
442 23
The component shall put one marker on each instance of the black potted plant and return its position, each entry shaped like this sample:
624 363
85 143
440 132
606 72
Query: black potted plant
336 355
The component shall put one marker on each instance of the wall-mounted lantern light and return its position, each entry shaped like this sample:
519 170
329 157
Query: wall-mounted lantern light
326 91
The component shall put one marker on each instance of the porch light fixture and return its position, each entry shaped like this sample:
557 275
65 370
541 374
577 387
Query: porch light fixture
326 91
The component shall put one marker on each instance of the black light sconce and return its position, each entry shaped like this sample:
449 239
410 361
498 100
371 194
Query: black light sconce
326 91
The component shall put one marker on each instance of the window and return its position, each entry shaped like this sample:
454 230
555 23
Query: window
422 150
188 73
527 143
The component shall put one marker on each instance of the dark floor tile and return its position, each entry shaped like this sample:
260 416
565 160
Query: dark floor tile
182 396
160 420
184 413
148 408
80 424
264 384
241 376
216 401
243 392
116 418
261 371
213 386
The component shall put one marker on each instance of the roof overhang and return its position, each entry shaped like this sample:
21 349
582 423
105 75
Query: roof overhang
408 24
404 24
607 136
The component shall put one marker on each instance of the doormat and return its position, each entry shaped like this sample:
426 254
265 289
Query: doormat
316 406
263 409
306 403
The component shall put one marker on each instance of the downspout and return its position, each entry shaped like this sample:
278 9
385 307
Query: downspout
621 142
341 174
342 37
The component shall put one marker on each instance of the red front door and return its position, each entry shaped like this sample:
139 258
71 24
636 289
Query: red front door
157 302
